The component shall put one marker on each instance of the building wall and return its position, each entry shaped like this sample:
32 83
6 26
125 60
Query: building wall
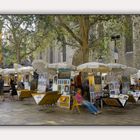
136 41
57 54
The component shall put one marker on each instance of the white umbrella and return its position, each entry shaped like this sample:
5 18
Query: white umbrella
62 65
9 71
1 71
93 66
39 65
130 71
26 69
116 67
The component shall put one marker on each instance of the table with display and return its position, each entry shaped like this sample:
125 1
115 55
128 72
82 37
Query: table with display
133 96
26 92
116 100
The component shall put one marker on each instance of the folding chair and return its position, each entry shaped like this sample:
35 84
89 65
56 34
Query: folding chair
75 104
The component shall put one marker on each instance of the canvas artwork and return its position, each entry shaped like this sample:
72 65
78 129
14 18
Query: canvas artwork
69 69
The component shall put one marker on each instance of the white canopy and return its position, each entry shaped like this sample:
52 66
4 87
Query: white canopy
116 67
1 70
26 69
9 71
93 66
39 65
130 71
61 65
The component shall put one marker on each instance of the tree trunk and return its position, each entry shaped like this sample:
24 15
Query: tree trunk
84 30
18 54
1 53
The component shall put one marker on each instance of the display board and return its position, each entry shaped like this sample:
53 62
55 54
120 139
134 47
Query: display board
117 100
27 85
64 101
64 75
95 87
42 83
97 80
64 83
133 96
114 88
125 87
64 86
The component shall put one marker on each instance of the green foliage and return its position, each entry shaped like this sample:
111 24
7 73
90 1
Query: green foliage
32 33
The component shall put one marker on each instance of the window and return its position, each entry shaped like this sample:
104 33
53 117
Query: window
41 55
129 35
64 53
51 54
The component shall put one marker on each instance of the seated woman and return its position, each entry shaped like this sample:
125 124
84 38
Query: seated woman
86 103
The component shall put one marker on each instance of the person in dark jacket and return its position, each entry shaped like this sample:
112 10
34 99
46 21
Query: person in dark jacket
13 87
1 88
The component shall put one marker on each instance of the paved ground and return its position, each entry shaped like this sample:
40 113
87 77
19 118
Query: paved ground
28 113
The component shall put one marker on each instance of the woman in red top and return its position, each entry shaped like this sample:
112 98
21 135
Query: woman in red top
92 108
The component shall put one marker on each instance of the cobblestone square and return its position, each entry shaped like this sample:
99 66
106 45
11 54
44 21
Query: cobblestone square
28 113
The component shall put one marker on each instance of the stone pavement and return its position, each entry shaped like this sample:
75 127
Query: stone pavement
28 113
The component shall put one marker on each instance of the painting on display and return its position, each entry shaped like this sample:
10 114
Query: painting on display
64 101
42 83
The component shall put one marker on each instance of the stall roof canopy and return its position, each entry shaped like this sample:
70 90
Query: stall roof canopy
61 66
116 67
40 65
93 66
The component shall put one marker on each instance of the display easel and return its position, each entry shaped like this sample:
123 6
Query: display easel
63 83
114 88
48 99
42 83
95 87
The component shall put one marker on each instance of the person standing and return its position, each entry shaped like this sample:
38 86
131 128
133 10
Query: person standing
35 78
13 87
1 88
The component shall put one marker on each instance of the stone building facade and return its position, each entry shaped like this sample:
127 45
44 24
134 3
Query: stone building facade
56 53
128 49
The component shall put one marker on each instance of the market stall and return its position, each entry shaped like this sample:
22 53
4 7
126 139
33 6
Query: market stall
24 78
116 86
6 75
94 70
62 82
132 92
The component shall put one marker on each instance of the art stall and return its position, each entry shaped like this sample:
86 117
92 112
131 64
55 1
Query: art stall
62 82
95 71
6 75
114 81
24 82
133 92
41 79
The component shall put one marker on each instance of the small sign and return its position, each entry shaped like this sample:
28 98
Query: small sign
38 97
64 101
64 75
97 79
27 85
42 83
